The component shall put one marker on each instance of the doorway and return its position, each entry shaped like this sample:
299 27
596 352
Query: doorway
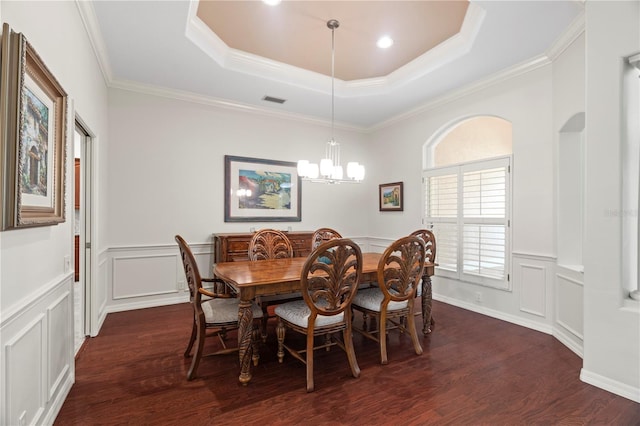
82 203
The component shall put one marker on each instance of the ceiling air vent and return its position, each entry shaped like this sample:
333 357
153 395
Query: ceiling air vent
272 99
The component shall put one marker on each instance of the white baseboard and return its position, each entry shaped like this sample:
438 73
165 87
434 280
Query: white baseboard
609 385
566 340
121 307
543 328
56 405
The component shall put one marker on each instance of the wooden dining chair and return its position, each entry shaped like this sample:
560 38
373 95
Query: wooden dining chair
426 291
214 312
270 244
323 235
328 282
399 272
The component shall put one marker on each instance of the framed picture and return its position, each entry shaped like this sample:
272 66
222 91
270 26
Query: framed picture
259 190
33 118
391 197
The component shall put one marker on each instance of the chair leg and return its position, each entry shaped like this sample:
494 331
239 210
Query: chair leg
280 330
256 349
309 362
197 355
414 335
265 319
194 332
382 337
364 321
347 336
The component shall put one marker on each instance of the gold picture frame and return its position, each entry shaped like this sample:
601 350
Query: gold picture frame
33 119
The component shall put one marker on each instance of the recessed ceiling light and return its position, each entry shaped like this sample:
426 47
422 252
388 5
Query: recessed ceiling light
271 2
384 42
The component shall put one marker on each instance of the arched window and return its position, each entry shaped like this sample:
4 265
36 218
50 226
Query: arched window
467 199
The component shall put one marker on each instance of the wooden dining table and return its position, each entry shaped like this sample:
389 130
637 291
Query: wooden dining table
251 279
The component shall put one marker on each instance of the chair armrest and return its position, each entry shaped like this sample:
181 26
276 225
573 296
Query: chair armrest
220 287
215 295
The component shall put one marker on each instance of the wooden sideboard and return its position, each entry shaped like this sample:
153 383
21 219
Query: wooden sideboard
234 247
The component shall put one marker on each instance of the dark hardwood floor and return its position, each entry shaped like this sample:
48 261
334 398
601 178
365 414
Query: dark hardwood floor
475 370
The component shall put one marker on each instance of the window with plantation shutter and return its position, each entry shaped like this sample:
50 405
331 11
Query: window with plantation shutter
467 208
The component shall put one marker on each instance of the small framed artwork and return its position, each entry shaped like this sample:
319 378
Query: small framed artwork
258 190
391 197
33 118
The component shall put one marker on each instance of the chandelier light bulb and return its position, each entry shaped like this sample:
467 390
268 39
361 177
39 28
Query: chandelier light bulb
303 168
314 171
326 167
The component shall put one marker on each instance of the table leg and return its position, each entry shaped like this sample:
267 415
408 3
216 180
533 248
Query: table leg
426 304
245 335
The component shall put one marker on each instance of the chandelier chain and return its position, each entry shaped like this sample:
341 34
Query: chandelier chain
330 170
333 62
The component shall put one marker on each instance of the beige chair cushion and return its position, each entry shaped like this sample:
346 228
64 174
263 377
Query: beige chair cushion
220 311
298 312
372 297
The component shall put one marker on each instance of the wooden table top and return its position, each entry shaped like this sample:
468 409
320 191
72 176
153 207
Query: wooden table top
255 273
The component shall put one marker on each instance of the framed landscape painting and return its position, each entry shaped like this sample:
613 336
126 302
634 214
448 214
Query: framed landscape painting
391 197
258 190
33 118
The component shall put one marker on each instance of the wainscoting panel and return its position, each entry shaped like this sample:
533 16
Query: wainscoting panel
148 276
569 310
37 364
59 314
24 373
138 276
102 299
533 289
379 245
570 305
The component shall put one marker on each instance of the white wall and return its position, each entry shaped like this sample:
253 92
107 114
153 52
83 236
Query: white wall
166 177
569 135
612 327
525 101
36 295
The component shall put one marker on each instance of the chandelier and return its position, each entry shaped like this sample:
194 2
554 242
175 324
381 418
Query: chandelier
330 169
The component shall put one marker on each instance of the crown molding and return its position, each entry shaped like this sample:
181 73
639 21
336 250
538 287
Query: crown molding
240 61
182 95
573 31
90 22
507 74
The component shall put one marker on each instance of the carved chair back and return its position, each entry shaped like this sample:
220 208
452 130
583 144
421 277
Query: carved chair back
323 235
400 269
329 278
269 244
194 280
429 243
